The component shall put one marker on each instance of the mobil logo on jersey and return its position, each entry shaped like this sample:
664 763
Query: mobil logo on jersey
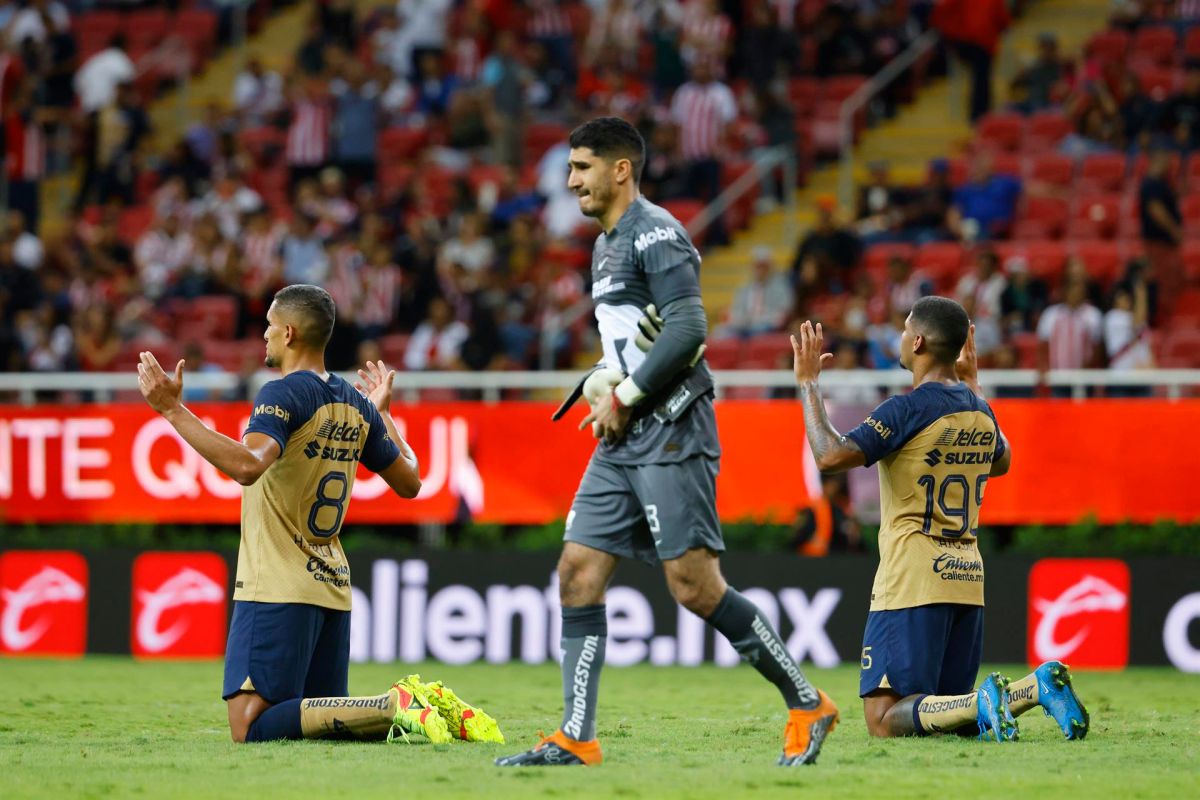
179 606
43 603
1079 612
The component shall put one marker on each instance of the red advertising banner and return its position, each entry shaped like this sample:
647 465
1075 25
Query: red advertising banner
1079 612
178 605
1112 459
43 603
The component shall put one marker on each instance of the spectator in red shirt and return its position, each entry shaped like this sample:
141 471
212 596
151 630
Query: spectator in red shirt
973 29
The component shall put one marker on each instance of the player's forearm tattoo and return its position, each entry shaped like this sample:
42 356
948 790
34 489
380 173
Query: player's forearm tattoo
823 438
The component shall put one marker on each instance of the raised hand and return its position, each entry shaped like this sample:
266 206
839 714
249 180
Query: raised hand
161 392
967 365
376 384
807 358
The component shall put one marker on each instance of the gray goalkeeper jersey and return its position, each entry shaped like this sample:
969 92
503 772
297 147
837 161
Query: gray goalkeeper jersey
648 258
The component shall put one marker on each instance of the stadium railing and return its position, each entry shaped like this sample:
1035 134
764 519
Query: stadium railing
853 104
25 387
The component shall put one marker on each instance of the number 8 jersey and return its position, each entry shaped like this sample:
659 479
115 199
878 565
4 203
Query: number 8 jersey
935 448
290 551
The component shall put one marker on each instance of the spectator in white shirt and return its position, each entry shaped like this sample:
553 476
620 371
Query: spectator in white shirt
437 342
762 303
979 292
161 253
1126 334
97 80
1071 330
257 93
30 22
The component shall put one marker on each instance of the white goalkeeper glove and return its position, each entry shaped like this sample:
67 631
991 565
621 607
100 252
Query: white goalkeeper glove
650 326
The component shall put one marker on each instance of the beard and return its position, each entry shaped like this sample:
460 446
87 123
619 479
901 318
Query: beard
271 362
601 199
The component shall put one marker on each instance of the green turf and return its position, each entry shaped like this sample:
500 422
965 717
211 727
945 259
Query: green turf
111 727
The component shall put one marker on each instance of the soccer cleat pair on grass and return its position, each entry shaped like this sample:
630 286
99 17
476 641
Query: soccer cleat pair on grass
802 739
1056 696
434 711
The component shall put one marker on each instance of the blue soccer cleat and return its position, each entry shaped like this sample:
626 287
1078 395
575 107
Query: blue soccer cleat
1057 698
995 721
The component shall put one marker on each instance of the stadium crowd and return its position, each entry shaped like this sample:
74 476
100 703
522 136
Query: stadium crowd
1068 226
408 158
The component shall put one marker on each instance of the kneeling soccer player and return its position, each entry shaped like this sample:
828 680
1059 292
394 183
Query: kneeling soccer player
936 448
289 642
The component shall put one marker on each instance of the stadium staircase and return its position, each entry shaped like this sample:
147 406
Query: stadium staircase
933 126
170 112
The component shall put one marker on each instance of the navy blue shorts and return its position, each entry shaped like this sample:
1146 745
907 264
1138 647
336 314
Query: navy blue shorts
283 651
934 649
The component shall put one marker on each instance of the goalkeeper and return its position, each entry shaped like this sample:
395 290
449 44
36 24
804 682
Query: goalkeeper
649 491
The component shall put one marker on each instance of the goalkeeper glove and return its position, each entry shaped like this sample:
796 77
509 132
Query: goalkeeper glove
650 326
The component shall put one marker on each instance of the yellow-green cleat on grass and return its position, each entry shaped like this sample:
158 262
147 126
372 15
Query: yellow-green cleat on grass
416 713
466 722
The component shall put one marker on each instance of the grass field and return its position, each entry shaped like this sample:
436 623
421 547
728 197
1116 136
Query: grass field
112 727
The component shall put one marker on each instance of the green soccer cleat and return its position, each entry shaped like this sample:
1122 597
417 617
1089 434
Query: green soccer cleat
416 714
465 721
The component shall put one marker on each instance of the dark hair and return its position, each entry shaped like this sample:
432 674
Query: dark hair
944 324
314 310
612 138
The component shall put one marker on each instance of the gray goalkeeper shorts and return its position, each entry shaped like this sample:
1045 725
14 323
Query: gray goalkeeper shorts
652 512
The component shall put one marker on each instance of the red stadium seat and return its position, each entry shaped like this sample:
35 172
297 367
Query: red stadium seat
1053 169
1191 260
1187 309
392 347
1004 163
1141 162
1027 346
198 28
147 26
1102 258
1045 129
541 136
208 317
1191 43
878 256
723 353
940 261
1102 172
133 222
1096 216
1046 260
765 351
1189 209
1109 45
401 144
1155 42
1158 82
1001 131
804 93
839 87
1181 346
263 143
684 210
1050 213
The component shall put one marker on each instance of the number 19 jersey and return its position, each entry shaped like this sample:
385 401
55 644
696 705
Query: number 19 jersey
935 448
290 551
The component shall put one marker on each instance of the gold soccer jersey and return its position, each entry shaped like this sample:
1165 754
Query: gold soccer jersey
291 517
935 448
